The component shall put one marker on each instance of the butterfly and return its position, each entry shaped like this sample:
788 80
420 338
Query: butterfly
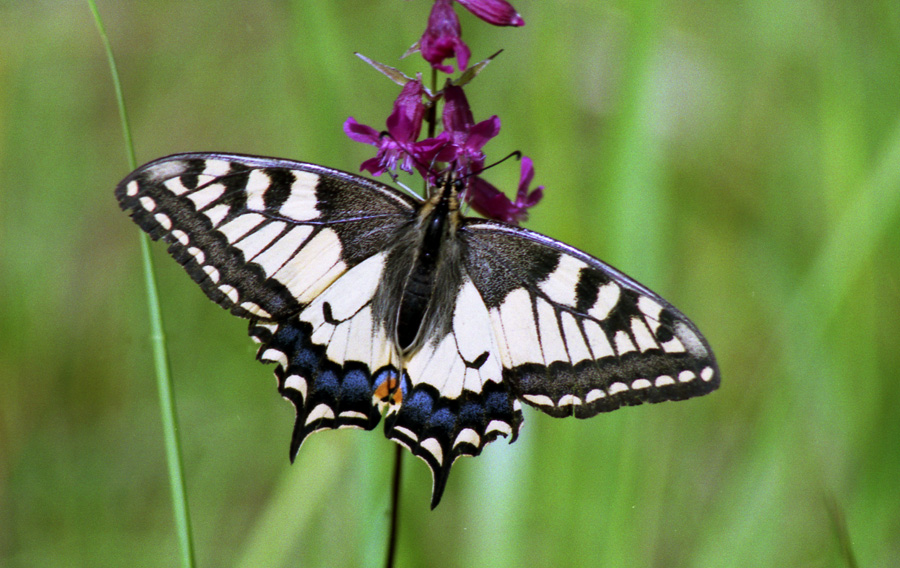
375 304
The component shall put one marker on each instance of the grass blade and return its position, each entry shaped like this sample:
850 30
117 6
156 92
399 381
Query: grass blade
157 337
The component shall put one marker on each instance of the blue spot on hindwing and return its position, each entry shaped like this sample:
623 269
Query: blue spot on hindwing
355 387
327 383
418 407
443 419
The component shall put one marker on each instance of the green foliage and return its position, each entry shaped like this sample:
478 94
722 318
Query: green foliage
742 159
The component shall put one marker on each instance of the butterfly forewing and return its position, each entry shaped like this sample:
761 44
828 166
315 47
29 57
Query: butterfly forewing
262 237
578 337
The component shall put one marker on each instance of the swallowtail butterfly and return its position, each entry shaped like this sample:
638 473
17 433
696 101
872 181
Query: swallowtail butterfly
373 303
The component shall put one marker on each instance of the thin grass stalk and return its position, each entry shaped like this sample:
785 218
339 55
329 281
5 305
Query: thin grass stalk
157 336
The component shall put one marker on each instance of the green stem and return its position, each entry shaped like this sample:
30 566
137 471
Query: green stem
395 507
157 337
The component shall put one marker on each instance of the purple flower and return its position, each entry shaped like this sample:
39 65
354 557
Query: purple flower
403 128
496 12
466 138
442 38
493 204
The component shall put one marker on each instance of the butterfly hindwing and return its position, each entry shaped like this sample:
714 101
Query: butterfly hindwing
457 401
335 362
577 336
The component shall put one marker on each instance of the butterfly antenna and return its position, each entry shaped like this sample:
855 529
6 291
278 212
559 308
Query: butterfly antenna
517 154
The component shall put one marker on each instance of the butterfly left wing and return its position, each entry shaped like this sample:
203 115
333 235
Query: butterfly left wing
298 249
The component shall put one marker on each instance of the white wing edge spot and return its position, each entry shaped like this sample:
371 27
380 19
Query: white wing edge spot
538 399
254 309
406 432
686 376
467 436
230 292
498 426
351 414
707 374
147 203
641 384
434 448
293 382
181 237
275 356
197 254
593 395
131 189
664 380
319 412
616 388
271 327
212 272
569 400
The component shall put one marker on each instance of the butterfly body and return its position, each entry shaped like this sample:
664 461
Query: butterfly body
375 304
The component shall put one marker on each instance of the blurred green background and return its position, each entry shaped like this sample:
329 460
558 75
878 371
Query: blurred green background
740 158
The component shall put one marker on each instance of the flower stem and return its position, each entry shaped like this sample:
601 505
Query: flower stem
395 502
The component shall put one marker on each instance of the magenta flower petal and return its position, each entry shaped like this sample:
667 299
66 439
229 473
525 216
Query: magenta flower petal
496 12
405 121
482 132
443 38
488 200
360 132
457 115
468 138
373 166
403 127
493 204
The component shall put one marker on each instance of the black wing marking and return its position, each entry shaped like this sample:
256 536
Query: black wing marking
262 236
577 336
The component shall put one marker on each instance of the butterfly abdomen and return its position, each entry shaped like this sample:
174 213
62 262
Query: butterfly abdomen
438 219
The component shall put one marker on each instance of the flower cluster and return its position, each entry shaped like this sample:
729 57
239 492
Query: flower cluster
461 141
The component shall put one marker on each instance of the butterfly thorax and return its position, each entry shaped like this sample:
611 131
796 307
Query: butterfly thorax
435 230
